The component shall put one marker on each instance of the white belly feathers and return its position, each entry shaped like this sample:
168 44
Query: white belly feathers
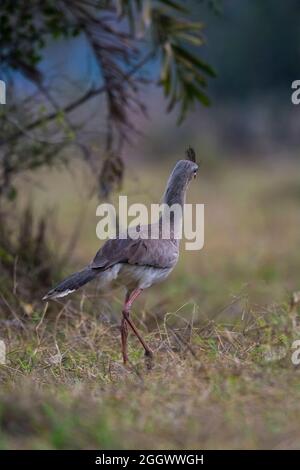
131 276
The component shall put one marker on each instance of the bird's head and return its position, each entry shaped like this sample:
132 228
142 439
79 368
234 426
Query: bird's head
183 172
187 169
191 157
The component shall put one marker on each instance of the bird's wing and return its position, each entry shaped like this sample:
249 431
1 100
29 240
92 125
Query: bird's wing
156 253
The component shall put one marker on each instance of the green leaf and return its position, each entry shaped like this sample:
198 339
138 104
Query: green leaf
174 5
12 193
199 95
195 40
5 256
196 61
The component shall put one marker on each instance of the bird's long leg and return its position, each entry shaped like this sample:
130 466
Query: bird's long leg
124 335
128 303
148 351
124 332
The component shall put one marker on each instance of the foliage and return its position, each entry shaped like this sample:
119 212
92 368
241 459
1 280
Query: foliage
124 36
24 254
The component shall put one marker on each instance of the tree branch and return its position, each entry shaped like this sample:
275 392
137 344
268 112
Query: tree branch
75 104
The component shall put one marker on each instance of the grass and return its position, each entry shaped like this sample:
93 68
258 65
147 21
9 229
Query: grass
222 328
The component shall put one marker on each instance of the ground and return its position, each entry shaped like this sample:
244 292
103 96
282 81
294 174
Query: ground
222 327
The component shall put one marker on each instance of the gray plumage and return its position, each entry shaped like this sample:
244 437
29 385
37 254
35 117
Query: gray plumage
135 264
71 283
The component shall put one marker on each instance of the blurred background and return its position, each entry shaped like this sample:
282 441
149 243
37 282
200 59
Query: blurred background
246 139
103 100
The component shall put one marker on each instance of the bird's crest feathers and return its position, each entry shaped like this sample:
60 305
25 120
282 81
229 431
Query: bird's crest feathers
190 154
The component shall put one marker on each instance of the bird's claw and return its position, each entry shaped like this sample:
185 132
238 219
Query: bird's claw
149 356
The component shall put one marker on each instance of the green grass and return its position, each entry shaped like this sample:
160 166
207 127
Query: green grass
221 327
211 386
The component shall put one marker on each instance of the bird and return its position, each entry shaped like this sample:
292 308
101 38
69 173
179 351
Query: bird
136 263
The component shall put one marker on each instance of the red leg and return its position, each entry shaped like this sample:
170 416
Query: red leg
124 335
130 298
128 303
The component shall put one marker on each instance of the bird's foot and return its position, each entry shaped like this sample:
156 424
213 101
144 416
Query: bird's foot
149 359
125 362
149 353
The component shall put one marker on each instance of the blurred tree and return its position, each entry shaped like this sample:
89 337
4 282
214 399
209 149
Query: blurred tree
123 36
254 47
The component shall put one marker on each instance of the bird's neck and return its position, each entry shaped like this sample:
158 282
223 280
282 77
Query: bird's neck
173 201
174 194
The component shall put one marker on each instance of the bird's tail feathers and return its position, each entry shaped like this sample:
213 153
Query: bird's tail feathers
72 283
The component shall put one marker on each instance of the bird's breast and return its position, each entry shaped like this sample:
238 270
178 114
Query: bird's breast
134 276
